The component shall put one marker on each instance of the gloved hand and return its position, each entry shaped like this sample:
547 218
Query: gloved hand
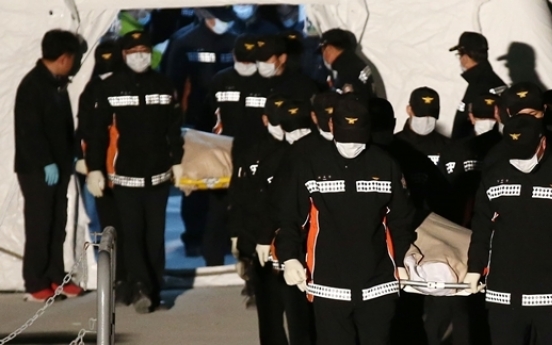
235 251
81 167
51 174
403 275
294 274
263 251
473 280
95 182
177 174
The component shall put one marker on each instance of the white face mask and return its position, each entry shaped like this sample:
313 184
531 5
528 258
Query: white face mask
138 62
350 150
288 23
296 135
276 131
326 135
422 125
266 70
244 12
245 69
483 126
525 165
221 27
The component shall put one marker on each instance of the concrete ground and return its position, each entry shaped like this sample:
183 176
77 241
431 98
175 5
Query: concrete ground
195 317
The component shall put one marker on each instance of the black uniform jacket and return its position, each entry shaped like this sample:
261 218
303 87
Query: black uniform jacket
462 165
512 233
44 132
350 70
248 192
481 79
136 126
360 218
431 145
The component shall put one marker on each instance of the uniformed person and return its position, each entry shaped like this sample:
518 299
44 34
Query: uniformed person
355 198
250 22
44 157
349 73
291 17
250 207
472 50
511 237
419 130
137 141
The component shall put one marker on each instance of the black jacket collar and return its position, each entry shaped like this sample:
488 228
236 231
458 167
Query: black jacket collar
47 75
477 72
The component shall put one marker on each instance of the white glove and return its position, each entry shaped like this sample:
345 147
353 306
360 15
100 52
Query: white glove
263 251
403 275
473 280
95 182
177 174
80 167
235 251
294 274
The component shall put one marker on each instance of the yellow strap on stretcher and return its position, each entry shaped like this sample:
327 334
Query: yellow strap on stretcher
205 184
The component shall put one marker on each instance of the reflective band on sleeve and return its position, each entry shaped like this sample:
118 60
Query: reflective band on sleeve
497 297
202 57
380 290
462 106
374 186
365 74
503 190
227 96
124 101
158 99
226 58
498 90
255 102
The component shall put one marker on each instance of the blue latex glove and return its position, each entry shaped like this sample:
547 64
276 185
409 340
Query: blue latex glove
51 173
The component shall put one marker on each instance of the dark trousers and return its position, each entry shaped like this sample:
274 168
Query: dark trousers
193 211
518 326
142 214
440 312
274 299
349 323
408 325
45 214
215 238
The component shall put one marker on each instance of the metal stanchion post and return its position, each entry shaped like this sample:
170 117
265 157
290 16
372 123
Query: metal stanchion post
106 298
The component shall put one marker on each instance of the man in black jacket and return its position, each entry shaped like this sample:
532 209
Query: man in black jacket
511 237
354 197
349 73
44 155
472 51
137 141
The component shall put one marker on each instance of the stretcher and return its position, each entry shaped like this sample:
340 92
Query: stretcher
207 161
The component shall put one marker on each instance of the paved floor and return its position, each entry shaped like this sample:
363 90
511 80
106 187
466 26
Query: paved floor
196 317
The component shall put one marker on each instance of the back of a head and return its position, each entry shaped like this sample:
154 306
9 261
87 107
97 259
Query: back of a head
382 114
474 45
340 39
424 101
56 43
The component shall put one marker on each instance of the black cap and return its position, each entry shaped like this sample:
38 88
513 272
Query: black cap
270 45
222 13
547 97
323 105
351 122
245 48
135 38
294 41
339 38
483 106
382 114
522 96
471 42
107 56
425 102
273 103
294 114
522 135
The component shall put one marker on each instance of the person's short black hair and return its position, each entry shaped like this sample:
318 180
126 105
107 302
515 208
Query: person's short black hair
476 55
57 42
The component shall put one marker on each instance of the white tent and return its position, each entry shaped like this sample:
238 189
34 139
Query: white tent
406 41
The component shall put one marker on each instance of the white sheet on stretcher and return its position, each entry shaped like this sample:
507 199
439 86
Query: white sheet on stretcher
440 254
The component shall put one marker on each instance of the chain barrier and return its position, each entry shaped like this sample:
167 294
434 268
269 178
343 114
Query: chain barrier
66 280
